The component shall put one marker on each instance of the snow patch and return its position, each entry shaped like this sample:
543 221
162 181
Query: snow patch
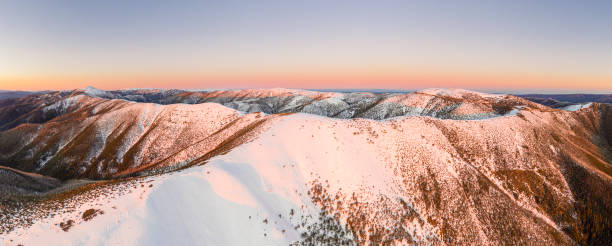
576 107
95 92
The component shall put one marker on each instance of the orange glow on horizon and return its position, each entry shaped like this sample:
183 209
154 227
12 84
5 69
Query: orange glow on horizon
347 79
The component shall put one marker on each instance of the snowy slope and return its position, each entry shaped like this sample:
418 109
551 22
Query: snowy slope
348 168
526 177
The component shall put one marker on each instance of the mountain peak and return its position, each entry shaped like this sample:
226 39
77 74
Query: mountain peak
456 92
95 92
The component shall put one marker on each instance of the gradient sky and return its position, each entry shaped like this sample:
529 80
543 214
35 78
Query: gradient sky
551 46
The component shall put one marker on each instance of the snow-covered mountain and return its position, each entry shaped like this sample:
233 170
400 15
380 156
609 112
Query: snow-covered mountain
281 166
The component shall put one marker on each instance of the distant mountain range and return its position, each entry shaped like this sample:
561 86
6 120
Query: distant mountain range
553 100
14 94
567 100
573 98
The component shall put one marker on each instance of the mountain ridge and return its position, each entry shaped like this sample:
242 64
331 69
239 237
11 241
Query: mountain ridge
525 173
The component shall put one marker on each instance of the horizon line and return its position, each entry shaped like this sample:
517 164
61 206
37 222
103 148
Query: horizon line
517 91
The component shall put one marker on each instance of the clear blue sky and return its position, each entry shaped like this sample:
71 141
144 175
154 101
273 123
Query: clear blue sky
546 45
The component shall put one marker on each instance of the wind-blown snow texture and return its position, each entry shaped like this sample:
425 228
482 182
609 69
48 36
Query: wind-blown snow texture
202 174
